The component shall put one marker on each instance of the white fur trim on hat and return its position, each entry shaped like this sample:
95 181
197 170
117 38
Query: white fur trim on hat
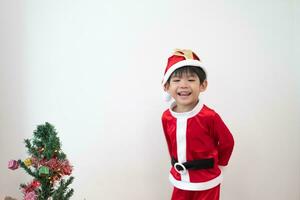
179 64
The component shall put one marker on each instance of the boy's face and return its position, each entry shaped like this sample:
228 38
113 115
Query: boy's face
185 89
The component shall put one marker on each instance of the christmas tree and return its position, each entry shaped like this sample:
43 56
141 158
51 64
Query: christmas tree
48 166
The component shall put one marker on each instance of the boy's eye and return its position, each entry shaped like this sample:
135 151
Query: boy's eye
175 80
191 80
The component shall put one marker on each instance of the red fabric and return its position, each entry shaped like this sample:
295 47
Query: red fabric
173 60
207 137
211 194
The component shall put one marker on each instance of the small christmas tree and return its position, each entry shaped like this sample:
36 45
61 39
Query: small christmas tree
48 166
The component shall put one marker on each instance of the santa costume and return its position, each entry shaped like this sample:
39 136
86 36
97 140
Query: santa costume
198 142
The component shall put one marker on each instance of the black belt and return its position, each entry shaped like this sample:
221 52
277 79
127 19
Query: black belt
192 165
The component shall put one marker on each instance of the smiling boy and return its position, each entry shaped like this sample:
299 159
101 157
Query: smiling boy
198 140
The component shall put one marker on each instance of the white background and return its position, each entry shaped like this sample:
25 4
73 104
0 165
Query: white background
94 68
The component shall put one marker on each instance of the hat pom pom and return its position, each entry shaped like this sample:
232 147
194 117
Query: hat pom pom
167 97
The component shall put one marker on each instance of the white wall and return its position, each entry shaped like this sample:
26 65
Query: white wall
93 69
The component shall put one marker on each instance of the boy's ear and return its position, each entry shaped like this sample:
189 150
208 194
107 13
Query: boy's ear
166 87
203 86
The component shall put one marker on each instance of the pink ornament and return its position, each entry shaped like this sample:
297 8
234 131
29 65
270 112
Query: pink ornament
67 168
53 163
13 164
30 196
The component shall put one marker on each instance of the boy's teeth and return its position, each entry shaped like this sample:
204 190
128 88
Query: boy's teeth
184 93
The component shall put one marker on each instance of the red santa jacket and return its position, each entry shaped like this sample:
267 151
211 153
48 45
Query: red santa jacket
197 134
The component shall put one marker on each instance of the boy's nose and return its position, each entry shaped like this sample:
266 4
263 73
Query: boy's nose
183 83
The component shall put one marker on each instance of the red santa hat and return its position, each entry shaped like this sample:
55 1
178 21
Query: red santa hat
180 58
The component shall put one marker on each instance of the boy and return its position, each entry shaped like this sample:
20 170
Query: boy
198 140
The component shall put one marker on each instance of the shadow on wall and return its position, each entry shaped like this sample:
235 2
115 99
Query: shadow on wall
9 198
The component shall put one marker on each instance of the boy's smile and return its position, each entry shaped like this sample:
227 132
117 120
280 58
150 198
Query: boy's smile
185 89
184 93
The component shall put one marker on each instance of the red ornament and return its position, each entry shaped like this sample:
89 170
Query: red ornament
36 184
66 168
28 188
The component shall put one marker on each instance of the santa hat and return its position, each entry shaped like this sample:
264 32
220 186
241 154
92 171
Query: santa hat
180 58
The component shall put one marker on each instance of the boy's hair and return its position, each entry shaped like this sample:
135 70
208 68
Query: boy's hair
188 69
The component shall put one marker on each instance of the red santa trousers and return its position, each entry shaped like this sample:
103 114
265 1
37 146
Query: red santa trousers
211 194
